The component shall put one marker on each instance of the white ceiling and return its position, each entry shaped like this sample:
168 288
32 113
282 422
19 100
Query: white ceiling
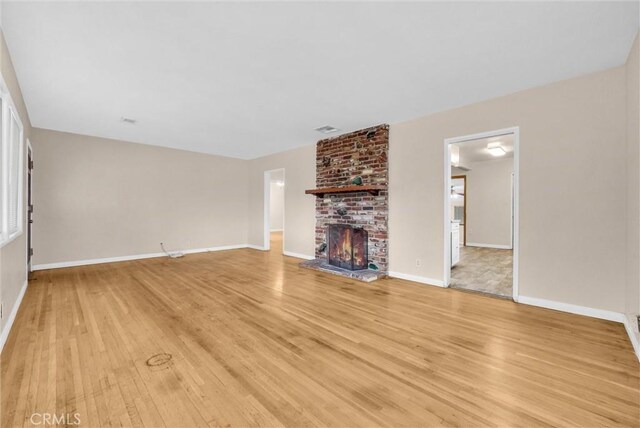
476 150
248 79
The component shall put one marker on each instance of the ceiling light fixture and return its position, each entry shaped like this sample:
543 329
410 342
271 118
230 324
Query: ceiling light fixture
327 129
496 149
454 194
128 120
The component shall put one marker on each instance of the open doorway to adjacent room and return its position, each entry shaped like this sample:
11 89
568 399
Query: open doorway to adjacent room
481 213
274 210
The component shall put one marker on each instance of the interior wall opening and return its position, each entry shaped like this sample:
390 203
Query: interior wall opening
274 210
480 213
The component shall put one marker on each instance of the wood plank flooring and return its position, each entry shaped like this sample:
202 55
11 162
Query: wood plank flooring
247 338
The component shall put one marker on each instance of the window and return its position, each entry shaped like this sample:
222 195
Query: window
11 168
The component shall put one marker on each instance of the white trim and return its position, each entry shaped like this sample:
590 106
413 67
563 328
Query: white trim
496 246
298 255
220 248
257 247
515 206
266 237
512 211
573 309
277 230
633 337
12 316
86 262
415 278
447 214
59 265
516 198
9 109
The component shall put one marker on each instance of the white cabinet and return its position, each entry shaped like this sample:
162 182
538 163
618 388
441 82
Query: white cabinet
455 243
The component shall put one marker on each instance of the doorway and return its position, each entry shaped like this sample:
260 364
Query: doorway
274 189
481 213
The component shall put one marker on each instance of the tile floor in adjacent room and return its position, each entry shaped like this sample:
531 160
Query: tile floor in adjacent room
486 270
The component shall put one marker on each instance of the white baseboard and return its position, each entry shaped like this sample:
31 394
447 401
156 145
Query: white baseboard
12 316
221 248
631 325
256 247
573 309
276 230
298 255
415 278
153 255
73 263
132 257
498 247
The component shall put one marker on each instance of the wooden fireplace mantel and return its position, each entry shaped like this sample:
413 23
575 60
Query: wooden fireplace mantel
374 189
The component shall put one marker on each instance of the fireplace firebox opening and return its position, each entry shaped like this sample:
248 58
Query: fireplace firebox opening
347 246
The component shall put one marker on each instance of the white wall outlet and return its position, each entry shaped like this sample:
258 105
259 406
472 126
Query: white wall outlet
417 262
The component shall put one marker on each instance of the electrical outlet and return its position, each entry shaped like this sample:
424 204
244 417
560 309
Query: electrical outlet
417 262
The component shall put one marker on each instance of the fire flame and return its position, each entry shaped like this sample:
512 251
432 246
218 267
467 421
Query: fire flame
346 245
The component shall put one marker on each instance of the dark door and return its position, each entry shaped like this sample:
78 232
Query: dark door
29 206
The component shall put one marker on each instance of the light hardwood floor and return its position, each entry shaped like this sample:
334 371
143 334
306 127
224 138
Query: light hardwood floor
247 338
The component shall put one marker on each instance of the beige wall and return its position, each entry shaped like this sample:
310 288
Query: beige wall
564 171
488 199
277 206
98 198
299 216
633 182
564 257
13 255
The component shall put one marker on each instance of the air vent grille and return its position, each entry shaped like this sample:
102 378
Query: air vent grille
327 129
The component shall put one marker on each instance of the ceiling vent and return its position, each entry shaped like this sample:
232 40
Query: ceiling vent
128 120
327 129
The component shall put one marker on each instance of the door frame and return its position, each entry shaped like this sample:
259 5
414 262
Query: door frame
464 232
515 200
266 246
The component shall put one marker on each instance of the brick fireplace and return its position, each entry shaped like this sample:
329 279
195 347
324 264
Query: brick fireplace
351 181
